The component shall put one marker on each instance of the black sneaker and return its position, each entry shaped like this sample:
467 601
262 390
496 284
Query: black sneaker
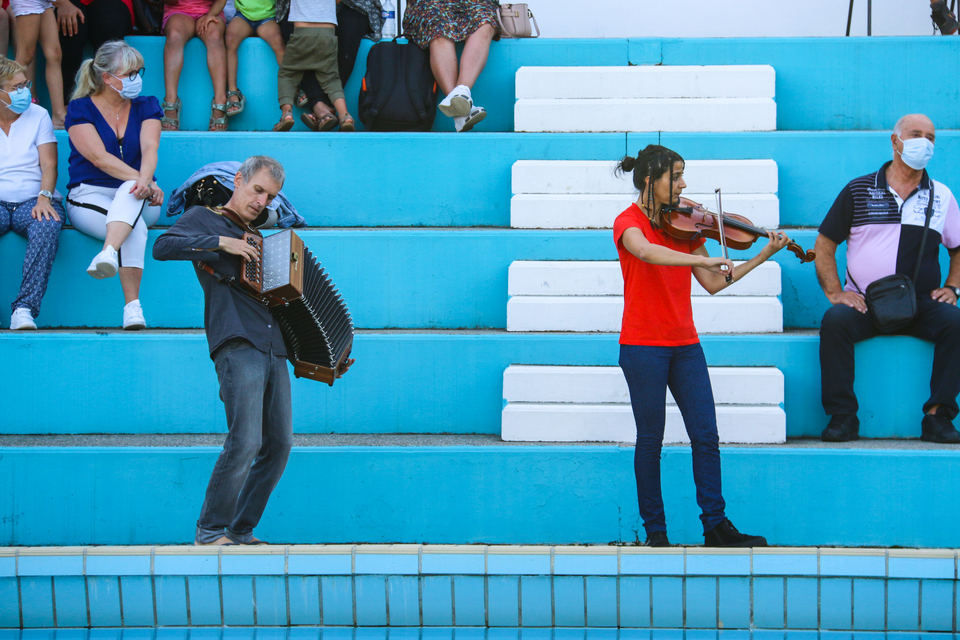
657 539
726 535
943 18
843 427
937 427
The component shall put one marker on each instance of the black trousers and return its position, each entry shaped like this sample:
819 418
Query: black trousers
843 327
103 20
351 27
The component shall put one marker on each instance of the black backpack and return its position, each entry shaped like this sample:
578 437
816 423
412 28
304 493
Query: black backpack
398 91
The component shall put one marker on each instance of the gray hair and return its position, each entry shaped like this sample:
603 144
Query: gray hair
8 69
113 57
252 166
902 122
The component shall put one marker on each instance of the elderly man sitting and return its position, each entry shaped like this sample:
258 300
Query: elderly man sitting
881 216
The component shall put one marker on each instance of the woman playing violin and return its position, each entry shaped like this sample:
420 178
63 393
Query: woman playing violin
659 345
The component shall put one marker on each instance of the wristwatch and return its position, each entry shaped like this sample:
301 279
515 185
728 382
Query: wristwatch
956 290
46 193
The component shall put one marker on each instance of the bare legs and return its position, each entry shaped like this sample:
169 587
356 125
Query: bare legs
443 59
239 30
179 30
42 27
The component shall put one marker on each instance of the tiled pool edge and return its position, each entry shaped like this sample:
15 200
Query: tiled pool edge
480 586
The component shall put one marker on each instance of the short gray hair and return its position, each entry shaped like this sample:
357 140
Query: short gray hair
252 166
901 123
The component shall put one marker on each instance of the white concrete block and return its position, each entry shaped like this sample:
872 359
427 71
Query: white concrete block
717 81
646 114
583 278
598 211
597 176
614 423
733 314
606 385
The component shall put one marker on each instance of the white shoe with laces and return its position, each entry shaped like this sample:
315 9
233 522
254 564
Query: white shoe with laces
22 319
467 123
133 317
105 264
457 103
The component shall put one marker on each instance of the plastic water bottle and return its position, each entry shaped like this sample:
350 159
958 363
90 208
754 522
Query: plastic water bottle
389 13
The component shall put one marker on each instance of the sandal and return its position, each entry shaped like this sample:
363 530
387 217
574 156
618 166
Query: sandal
285 124
234 107
326 123
171 124
347 123
301 99
217 122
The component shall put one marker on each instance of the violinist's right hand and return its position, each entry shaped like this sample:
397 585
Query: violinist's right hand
721 266
851 299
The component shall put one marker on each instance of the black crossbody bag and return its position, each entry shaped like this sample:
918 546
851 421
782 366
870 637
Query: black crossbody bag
892 301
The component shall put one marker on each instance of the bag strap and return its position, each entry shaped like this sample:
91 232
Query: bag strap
535 25
414 81
385 92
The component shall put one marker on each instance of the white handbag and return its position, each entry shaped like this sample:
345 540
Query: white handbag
515 21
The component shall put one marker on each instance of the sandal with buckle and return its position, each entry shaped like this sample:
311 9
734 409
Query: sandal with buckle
301 99
235 106
326 123
217 122
171 124
285 124
347 123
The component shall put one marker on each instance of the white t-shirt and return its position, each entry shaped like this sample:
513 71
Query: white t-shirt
20 156
313 11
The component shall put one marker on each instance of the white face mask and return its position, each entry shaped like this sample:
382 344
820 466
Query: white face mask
916 152
131 88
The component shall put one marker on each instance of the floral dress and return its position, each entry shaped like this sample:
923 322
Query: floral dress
425 20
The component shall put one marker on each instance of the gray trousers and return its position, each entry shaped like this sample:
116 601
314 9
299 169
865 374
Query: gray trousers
255 389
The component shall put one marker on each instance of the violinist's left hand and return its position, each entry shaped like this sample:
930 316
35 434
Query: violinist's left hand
776 240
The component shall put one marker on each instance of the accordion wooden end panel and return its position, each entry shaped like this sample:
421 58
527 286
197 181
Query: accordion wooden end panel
315 322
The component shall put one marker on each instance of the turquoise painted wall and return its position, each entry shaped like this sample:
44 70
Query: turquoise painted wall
511 495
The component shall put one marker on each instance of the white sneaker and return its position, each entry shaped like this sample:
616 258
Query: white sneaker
105 264
457 103
467 123
133 317
21 319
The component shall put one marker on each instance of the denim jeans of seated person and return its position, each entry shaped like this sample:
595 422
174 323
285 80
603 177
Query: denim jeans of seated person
255 389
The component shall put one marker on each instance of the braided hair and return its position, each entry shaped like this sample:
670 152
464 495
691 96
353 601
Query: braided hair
652 163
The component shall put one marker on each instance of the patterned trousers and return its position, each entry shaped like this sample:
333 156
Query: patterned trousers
43 237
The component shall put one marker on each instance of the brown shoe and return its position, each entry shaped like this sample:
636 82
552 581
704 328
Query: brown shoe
222 541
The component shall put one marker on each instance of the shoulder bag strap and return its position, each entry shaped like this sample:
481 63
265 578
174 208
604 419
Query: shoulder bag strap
923 239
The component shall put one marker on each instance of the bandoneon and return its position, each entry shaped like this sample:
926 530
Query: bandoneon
315 322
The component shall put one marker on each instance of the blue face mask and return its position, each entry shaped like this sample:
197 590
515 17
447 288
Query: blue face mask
131 88
916 152
19 100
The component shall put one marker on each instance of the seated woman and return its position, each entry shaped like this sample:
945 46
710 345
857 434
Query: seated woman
28 175
439 25
182 21
114 136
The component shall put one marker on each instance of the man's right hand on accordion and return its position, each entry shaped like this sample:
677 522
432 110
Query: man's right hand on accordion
345 365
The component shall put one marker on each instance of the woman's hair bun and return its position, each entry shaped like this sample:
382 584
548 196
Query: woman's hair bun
627 164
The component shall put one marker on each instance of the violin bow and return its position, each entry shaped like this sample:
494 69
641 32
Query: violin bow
723 238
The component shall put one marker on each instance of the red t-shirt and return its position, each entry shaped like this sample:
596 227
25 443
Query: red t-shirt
656 298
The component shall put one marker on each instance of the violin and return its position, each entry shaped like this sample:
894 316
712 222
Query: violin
689 219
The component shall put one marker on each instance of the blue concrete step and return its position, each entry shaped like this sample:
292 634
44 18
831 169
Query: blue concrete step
403 382
481 494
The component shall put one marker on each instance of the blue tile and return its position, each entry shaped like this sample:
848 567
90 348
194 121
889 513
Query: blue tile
569 605
469 602
835 602
785 564
371 600
667 634
71 598
770 634
509 564
438 601
171 595
481 634
768 603
430 633
666 594
370 633
270 633
404 633
149 634
99 634
337 600
634 634
50 565
601 634
295 633
903 605
237 634
304 600
718 565
868 605
9 604
855 566
802 603
383 564
734 603
403 593
569 634
651 564
138 565
192 565
512 633
333 633
453 563
104 594
540 633
937 602
204 596
601 601
536 606
36 599
244 565
237 601
936 568
701 602
8 567
503 601
634 602
271 601
585 565
299 564
136 594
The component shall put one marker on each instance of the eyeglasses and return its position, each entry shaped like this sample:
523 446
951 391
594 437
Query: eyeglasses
19 87
133 74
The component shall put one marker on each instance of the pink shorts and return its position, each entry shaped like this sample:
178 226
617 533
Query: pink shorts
194 12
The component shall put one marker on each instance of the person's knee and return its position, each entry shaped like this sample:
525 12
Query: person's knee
837 318
52 53
486 32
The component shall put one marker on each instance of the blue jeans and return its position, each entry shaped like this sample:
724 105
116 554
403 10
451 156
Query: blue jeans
255 389
649 371
43 238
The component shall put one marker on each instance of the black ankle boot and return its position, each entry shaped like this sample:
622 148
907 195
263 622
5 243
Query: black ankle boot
726 535
937 427
943 18
843 427
657 539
